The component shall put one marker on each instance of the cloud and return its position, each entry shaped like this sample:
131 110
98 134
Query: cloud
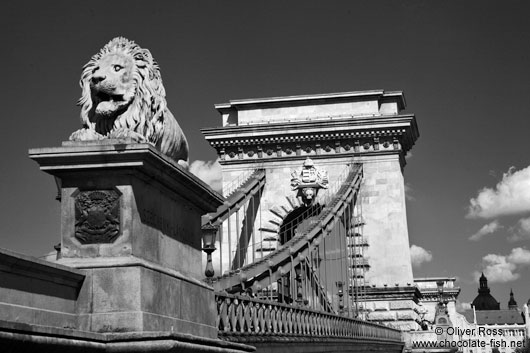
462 306
408 192
485 230
519 256
419 255
521 230
509 197
504 268
209 172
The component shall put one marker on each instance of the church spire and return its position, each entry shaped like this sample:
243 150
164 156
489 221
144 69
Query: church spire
483 284
512 304
484 300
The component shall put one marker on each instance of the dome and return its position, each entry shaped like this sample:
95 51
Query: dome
484 300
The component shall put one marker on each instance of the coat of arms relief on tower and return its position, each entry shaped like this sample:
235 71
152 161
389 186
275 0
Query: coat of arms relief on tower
308 181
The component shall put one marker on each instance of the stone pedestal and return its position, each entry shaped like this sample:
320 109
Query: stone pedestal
393 306
130 217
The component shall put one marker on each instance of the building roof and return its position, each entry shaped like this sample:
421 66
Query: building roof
490 317
495 317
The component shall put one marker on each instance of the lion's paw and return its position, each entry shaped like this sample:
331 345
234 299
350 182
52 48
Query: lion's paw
85 135
124 133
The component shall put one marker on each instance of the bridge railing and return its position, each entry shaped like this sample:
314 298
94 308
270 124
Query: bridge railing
241 315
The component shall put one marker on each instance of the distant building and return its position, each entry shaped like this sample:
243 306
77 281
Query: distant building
504 329
430 296
484 300
479 330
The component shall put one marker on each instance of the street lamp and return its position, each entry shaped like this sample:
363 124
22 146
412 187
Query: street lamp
440 285
209 232
340 293
299 296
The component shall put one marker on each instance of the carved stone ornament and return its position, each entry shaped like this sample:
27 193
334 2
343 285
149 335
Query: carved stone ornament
97 216
308 181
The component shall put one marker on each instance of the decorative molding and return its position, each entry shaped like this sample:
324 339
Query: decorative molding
395 133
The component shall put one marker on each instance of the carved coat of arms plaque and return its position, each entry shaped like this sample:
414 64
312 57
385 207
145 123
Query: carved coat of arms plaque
308 181
97 216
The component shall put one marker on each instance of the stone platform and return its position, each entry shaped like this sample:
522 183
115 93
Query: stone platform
128 274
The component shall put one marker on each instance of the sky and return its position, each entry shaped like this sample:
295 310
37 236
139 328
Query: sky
464 67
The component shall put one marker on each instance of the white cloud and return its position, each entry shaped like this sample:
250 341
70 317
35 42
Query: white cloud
521 230
489 228
510 196
409 192
504 268
519 256
209 172
419 255
461 306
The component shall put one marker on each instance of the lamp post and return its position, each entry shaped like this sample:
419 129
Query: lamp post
209 232
299 296
340 293
440 285
441 302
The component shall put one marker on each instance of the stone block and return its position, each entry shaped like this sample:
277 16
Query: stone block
17 313
382 316
198 305
55 319
406 315
369 306
402 304
116 322
380 305
404 326
36 316
160 294
116 289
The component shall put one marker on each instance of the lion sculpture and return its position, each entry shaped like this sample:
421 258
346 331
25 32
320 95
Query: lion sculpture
123 98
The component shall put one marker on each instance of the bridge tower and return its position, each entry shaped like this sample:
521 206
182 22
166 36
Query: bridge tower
276 135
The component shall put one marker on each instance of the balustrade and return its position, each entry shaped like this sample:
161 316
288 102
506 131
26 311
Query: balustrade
241 315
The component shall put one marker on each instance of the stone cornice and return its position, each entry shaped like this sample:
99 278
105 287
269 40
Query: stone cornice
145 160
329 137
318 129
434 292
434 295
386 293
328 97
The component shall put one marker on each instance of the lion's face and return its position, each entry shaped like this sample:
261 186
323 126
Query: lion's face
112 85
123 97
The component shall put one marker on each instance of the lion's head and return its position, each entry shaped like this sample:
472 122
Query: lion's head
122 81
123 96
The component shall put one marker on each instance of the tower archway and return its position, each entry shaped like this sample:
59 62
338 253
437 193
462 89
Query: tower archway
295 219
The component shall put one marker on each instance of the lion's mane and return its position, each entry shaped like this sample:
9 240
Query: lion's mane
147 115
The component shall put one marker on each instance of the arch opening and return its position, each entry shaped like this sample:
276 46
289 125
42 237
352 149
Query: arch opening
295 219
